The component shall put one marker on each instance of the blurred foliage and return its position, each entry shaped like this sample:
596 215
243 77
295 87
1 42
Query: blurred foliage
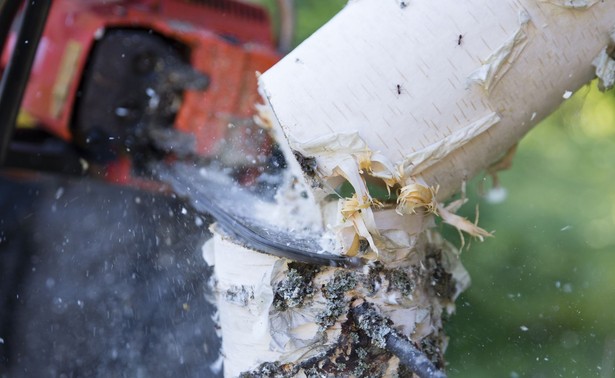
544 287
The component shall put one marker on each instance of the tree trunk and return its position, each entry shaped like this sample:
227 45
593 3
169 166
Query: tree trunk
414 98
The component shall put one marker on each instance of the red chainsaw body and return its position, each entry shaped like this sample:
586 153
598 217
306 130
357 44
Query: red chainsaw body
227 40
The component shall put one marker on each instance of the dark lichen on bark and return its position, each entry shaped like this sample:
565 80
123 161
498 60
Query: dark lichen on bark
334 292
374 277
269 370
439 281
375 326
354 354
433 346
296 288
400 280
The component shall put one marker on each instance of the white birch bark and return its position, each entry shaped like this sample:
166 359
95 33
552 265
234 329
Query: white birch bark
412 95
515 62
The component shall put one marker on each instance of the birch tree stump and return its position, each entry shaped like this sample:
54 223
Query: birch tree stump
412 97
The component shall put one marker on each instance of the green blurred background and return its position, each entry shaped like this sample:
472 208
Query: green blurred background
543 289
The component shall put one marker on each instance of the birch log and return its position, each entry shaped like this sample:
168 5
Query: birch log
414 96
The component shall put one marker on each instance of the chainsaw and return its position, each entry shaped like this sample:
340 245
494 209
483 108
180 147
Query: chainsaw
114 84
119 89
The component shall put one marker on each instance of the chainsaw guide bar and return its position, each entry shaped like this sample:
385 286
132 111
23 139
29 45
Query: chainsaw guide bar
231 205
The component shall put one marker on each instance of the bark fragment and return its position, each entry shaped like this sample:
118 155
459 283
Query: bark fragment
496 65
605 69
